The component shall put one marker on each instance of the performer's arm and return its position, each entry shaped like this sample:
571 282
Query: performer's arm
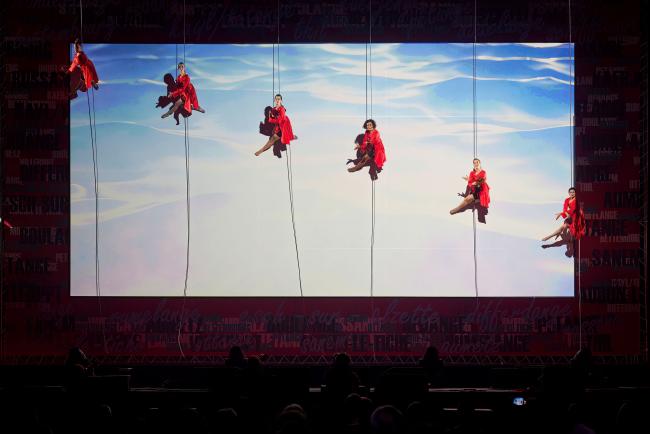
75 63
181 86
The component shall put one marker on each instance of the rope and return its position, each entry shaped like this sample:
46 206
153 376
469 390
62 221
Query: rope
366 82
370 51
372 194
570 93
93 144
372 240
186 126
289 160
278 43
81 16
293 220
475 145
187 250
475 124
573 161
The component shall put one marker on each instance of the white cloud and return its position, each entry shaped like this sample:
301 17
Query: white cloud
541 44
147 57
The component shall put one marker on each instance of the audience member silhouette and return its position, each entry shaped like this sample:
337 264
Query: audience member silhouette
292 420
341 380
236 358
387 419
432 364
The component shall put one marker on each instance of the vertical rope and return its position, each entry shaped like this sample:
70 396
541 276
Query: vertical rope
475 144
278 42
187 250
370 52
187 204
289 162
572 150
373 195
293 220
366 81
474 117
184 31
579 300
93 144
573 163
81 16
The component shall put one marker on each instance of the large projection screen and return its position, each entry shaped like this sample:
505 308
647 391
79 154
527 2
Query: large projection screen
241 233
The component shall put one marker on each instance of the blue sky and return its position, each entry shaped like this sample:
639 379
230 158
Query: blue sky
242 238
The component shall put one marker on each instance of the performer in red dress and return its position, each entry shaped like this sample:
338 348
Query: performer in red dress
370 151
184 95
282 131
574 218
82 72
477 191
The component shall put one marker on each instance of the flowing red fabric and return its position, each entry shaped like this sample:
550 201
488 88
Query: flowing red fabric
283 125
87 67
481 177
186 91
577 227
375 141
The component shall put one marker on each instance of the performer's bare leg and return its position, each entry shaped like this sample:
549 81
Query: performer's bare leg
173 108
467 200
556 233
274 138
361 164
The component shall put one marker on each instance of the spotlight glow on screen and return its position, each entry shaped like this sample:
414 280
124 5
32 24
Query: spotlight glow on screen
241 240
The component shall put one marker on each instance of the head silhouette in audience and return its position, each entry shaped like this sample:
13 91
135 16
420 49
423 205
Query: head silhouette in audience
292 420
236 358
341 380
386 419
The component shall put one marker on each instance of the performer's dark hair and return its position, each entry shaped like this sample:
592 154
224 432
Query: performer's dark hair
572 188
179 64
374 124
278 95
77 42
476 159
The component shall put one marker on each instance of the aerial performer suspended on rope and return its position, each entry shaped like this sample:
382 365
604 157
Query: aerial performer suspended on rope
277 126
370 151
574 218
83 74
181 94
477 192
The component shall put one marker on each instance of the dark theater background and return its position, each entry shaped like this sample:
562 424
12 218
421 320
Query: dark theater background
115 363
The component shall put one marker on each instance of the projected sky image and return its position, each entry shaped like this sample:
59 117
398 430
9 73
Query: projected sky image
241 239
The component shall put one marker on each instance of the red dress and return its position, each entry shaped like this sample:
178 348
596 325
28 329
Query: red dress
186 91
483 188
574 217
375 141
283 125
87 67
